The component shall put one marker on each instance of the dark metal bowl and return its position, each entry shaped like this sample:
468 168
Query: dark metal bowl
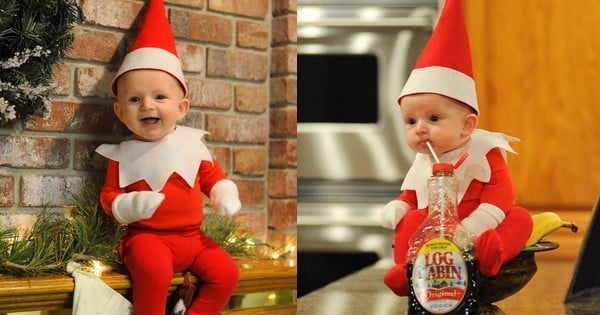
513 276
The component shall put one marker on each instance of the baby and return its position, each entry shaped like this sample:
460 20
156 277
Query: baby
155 180
439 106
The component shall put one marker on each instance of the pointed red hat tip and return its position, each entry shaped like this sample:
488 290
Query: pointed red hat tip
444 66
155 30
154 47
449 44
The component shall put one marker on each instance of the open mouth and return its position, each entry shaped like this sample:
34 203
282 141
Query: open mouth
150 120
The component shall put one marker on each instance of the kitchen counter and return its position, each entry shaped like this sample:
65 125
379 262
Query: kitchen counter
364 293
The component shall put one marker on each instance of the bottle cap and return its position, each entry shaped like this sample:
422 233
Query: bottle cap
444 168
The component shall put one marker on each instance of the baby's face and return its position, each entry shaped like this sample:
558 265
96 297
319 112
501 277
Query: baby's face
442 121
149 103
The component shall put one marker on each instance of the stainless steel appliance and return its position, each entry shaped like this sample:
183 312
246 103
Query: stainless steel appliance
353 59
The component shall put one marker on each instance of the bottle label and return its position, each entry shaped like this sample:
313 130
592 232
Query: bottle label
440 276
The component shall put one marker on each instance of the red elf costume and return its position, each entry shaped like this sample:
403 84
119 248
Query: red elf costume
155 188
485 190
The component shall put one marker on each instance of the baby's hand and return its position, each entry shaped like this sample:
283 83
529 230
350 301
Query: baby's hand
486 216
462 238
392 213
136 205
224 197
230 205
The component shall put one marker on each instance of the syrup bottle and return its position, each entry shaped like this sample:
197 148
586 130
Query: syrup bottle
442 269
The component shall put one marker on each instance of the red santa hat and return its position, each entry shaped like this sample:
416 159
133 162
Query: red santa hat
444 66
154 47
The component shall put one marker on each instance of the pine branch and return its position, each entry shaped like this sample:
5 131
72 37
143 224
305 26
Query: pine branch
89 234
227 233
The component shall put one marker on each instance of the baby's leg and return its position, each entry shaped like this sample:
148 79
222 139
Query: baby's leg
496 247
150 264
404 231
219 274
395 278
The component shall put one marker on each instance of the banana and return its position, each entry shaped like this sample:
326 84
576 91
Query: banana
545 223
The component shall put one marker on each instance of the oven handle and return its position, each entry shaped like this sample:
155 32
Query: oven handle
404 22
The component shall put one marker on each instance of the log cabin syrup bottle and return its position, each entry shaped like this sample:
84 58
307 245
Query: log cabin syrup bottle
442 269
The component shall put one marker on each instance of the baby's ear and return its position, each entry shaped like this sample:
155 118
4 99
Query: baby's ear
183 107
117 109
470 124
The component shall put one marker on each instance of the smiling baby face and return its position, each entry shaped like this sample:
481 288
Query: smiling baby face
150 102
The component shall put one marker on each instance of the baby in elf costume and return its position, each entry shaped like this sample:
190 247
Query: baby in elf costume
155 180
439 106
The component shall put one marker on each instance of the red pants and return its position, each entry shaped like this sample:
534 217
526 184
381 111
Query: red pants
152 257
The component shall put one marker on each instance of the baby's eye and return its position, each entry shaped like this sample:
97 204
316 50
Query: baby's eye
411 121
160 97
434 118
134 99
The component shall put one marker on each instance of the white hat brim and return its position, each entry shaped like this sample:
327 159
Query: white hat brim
444 81
151 58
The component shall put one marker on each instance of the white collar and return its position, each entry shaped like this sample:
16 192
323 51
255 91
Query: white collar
475 166
181 152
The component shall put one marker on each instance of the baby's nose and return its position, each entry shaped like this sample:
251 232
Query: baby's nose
147 102
420 126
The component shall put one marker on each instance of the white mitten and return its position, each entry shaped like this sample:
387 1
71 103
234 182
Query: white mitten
136 205
224 197
485 217
392 213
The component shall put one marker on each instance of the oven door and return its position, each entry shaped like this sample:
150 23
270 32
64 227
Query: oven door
351 68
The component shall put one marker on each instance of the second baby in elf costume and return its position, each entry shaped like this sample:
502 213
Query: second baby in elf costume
155 180
439 106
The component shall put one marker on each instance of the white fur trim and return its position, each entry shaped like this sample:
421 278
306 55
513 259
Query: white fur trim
181 152
444 81
393 212
486 216
151 58
493 211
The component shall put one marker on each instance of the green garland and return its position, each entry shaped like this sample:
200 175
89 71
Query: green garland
34 35
52 241
88 234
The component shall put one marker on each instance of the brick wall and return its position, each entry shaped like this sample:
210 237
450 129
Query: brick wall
239 58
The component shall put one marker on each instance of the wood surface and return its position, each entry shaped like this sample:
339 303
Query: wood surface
546 291
537 67
55 292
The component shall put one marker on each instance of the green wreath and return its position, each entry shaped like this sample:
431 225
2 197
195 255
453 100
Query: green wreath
34 35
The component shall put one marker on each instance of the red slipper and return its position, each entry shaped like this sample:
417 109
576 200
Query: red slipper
396 280
489 251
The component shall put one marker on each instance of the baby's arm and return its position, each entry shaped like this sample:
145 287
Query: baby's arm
223 193
497 197
110 190
395 210
126 207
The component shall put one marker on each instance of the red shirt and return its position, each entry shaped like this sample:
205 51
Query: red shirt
182 207
499 191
